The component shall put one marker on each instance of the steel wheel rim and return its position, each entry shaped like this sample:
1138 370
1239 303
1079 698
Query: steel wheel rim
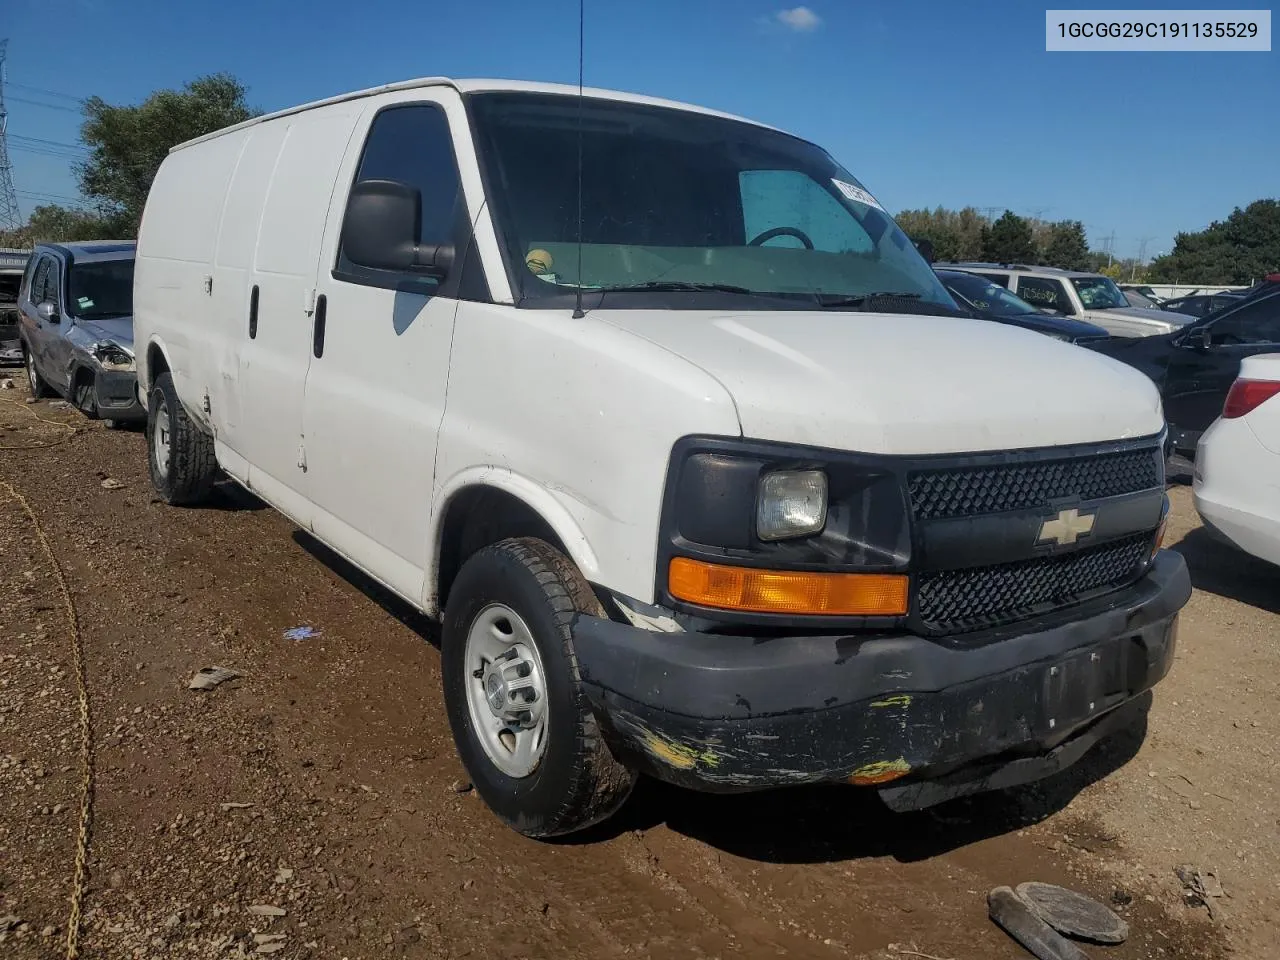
160 439
506 690
33 378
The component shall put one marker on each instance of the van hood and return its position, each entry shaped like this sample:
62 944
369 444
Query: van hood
904 384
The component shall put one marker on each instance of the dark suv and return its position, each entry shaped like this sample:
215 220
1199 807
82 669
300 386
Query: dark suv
1196 366
76 307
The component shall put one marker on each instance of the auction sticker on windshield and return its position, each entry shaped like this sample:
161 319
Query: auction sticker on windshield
856 193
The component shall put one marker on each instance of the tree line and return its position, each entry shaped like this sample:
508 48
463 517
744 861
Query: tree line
127 144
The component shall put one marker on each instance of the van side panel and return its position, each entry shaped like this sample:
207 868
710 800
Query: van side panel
273 365
237 243
175 256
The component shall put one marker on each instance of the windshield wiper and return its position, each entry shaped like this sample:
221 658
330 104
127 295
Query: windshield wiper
827 300
676 286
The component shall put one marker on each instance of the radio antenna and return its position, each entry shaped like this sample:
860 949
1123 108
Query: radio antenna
577 308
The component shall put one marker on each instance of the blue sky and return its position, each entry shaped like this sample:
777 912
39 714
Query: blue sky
927 102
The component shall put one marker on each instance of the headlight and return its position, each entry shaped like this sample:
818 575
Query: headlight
759 512
112 356
792 503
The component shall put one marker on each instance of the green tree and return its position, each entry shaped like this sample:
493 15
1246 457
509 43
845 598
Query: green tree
51 223
1009 240
1240 249
128 143
1066 246
955 234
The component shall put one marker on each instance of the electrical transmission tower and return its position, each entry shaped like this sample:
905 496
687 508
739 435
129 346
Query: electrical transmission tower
10 219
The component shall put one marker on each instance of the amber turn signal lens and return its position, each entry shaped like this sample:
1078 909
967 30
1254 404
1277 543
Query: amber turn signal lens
1160 532
787 591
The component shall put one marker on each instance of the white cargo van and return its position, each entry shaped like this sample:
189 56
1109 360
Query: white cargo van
765 511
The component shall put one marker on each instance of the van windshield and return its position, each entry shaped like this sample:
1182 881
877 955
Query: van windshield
710 210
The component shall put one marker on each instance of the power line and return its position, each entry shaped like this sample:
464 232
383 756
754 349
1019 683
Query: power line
40 141
32 195
47 106
42 152
47 93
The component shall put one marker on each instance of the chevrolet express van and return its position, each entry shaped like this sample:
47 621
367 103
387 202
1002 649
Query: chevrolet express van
701 468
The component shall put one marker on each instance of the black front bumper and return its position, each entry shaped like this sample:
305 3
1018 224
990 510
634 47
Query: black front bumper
938 718
116 396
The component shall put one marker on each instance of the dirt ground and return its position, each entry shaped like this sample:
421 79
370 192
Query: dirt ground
323 782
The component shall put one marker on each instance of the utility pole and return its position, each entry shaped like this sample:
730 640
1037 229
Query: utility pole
10 218
1109 246
1142 256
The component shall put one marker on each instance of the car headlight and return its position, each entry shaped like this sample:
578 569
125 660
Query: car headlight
782 530
112 356
792 503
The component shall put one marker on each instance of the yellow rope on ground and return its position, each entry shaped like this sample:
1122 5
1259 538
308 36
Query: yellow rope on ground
86 727
55 423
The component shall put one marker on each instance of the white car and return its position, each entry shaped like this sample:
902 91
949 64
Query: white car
702 468
1237 478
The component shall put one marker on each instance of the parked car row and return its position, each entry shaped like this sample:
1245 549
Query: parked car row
1089 297
705 471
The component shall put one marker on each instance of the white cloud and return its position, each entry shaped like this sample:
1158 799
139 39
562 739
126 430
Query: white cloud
799 19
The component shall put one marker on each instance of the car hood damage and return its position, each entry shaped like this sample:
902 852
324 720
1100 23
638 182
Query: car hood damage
117 330
904 384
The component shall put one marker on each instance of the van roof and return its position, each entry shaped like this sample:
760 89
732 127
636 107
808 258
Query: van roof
474 86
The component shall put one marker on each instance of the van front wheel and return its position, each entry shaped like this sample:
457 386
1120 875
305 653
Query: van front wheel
520 718
180 454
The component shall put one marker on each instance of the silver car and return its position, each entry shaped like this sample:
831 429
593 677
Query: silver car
76 327
1090 297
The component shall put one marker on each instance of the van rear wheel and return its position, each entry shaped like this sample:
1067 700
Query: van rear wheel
520 718
179 453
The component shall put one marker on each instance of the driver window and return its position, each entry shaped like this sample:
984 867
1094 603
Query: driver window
791 199
42 287
1043 292
1256 323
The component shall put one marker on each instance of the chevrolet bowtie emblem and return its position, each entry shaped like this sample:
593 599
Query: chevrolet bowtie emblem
1066 528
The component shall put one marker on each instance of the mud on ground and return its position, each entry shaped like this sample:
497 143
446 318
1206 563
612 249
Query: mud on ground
323 782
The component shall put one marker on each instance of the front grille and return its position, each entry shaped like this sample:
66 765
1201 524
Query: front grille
973 491
954 601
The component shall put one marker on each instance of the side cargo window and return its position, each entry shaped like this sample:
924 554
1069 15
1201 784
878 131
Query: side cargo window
411 144
1041 292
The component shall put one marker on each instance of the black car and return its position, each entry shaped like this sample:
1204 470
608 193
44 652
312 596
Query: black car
1195 366
1202 304
990 301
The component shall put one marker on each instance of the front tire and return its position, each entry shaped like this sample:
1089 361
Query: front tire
520 717
179 453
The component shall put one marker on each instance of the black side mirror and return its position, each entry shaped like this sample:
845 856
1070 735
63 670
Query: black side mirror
381 230
47 312
1197 339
